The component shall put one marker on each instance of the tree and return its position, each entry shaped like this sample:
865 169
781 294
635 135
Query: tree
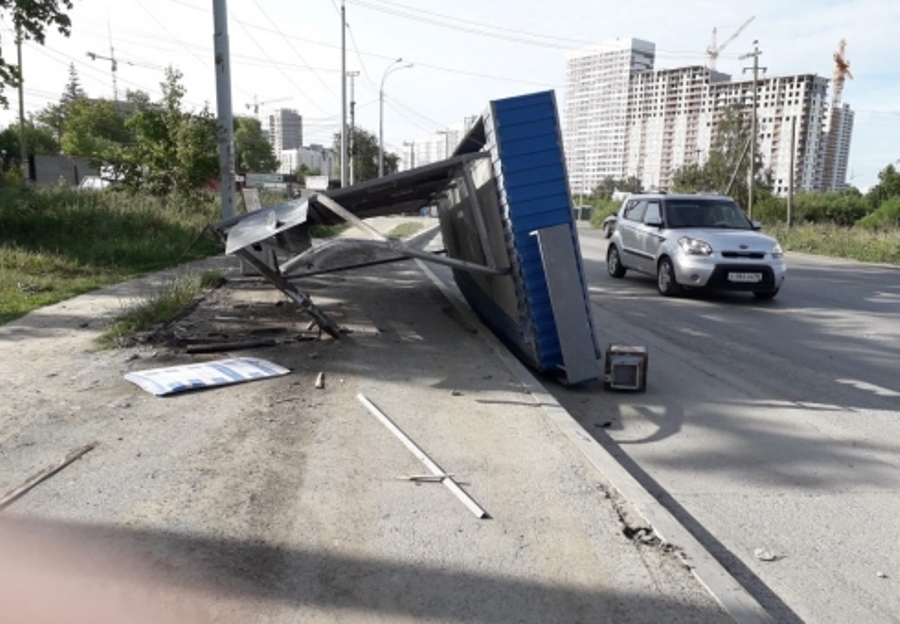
31 18
38 140
252 152
136 100
53 116
365 157
610 185
888 186
93 127
173 151
73 91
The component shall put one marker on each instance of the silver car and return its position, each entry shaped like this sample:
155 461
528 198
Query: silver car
694 241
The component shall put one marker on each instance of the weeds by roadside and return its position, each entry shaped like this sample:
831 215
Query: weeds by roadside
404 230
839 242
171 300
57 243
327 231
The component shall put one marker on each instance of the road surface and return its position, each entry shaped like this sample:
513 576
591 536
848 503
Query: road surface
770 429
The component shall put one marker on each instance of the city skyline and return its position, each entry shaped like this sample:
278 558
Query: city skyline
461 59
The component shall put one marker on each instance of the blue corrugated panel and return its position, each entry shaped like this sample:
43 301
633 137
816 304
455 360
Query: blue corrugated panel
523 135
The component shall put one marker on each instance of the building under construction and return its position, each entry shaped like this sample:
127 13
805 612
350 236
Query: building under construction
662 120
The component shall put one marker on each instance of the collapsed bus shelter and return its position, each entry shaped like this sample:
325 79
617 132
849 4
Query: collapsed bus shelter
504 208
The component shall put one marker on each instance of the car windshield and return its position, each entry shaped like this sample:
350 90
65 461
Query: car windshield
705 213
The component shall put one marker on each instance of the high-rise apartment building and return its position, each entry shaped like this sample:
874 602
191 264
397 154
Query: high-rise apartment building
596 108
436 146
670 118
316 157
837 149
285 130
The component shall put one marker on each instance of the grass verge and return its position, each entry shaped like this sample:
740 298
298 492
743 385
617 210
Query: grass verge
404 230
57 243
839 242
171 300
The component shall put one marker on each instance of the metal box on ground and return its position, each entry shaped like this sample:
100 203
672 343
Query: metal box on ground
625 368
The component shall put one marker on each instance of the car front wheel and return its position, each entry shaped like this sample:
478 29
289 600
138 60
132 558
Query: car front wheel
614 262
665 279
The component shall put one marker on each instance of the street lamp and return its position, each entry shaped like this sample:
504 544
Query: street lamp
390 68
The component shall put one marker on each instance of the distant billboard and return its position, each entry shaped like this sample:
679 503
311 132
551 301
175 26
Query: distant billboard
261 179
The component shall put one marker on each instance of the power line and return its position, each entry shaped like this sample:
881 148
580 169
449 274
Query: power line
359 56
280 70
470 27
300 56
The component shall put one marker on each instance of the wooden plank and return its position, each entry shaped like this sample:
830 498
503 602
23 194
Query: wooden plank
46 473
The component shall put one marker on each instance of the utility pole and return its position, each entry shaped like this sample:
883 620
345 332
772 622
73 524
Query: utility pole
790 197
751 170
225 118
23 150
343 95
351 143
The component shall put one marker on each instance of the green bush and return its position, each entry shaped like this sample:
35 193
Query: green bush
770 210
840 208
602 209
886 217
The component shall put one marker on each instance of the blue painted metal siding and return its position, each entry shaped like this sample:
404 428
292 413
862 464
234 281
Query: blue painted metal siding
523 136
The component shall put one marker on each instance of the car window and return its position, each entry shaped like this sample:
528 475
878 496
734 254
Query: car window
635 212
705 213
652 214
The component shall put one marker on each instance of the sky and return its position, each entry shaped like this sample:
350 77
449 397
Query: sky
464 53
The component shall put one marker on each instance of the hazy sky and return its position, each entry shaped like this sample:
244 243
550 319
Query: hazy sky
464 54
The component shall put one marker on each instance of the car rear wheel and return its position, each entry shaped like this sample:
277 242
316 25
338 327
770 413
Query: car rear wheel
765 294
614 262
665 279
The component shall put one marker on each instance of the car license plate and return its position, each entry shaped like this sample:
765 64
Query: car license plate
745 277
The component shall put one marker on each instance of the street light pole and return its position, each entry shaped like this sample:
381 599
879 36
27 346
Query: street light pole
390 68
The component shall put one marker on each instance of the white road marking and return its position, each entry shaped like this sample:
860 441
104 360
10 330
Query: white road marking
863 385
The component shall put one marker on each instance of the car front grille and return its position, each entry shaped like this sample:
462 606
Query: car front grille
750 255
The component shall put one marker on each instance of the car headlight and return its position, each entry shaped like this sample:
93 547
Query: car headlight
694 246
777 251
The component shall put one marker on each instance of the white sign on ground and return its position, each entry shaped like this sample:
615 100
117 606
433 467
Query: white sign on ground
172 379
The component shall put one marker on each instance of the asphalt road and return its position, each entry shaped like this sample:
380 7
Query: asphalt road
770 429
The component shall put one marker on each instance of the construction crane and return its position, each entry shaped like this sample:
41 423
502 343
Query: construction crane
115 66
715 49
256 104
841 73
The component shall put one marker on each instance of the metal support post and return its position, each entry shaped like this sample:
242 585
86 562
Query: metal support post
472 191
343 96
23 148
751 170
352 134
225 121
790 197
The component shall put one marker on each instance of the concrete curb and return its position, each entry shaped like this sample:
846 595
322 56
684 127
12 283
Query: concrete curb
730 594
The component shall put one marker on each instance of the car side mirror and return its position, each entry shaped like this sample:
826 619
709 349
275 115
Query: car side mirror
756 225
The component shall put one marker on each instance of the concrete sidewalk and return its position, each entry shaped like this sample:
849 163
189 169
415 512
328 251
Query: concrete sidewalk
274 501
